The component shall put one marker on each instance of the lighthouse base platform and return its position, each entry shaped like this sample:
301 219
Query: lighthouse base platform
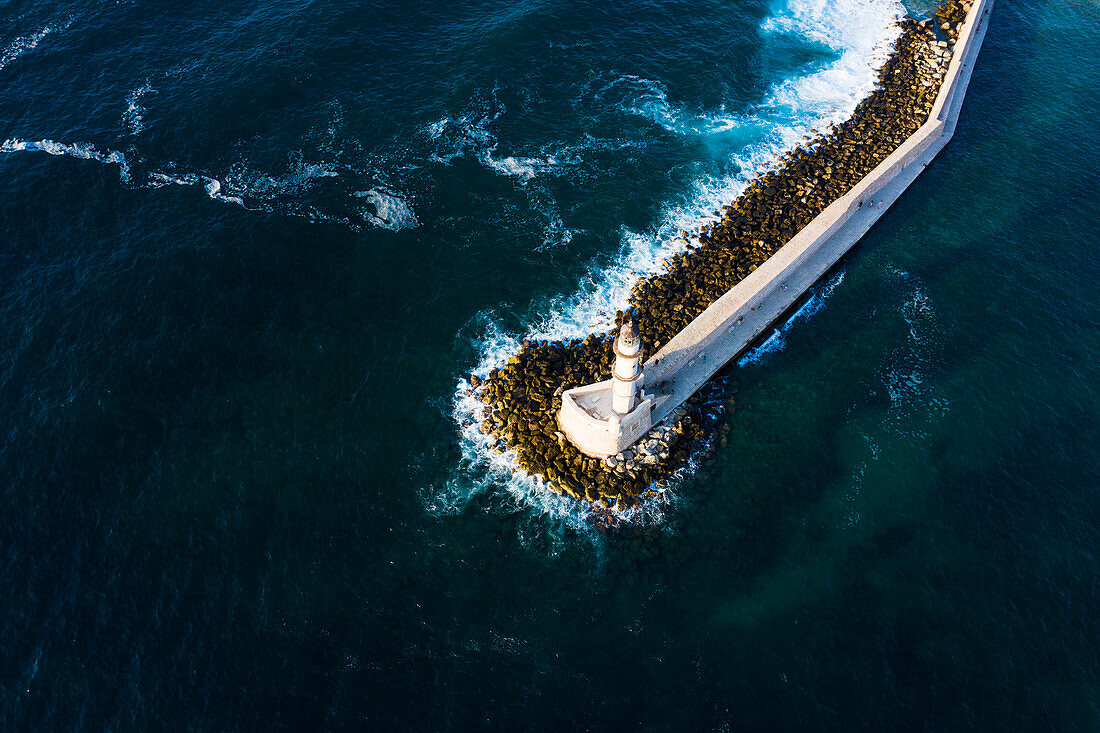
588 420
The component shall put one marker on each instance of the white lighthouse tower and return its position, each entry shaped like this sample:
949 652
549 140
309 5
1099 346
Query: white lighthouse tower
607 417
627 373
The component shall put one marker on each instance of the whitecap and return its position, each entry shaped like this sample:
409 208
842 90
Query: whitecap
213 188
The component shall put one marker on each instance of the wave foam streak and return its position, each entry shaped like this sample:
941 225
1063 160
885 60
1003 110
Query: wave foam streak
778 338
134 116
906 379
28 42
82 151
245 187
470 136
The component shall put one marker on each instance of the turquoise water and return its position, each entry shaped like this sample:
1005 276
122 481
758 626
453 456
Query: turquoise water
238 298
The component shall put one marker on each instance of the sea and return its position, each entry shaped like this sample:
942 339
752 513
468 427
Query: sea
251 251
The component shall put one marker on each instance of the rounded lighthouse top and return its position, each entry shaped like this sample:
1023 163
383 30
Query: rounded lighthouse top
628 332
629 342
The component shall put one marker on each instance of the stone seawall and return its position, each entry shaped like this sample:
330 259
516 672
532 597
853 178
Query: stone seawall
722 331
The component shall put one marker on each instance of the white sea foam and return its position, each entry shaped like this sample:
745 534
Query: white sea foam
134 116
555 234
212 186
470 136
647 98
248 188
256 190
158 179
21 45
387 209
83 151
520 167
28 42
282 193
86 151
557 515
299 176
860 32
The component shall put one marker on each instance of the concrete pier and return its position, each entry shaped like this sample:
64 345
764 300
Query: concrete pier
721 332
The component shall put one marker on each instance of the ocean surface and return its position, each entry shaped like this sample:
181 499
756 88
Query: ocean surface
251 249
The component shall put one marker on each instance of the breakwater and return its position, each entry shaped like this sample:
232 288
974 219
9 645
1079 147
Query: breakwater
791 224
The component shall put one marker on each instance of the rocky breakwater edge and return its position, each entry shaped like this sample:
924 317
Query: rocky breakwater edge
521 397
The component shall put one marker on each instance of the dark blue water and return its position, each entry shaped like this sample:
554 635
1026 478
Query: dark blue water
251 249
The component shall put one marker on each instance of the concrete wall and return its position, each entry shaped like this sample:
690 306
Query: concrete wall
596 437
724 329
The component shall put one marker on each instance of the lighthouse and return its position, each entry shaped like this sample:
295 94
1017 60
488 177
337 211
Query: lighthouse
627 374
608 417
